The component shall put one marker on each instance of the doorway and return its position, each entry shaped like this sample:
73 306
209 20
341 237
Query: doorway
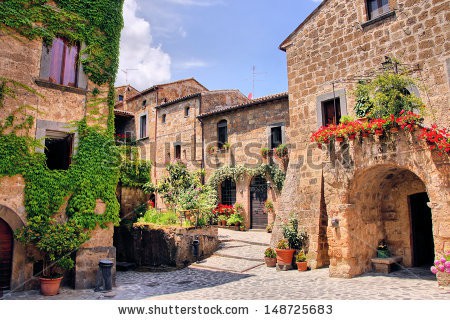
422 230
6 254
258 196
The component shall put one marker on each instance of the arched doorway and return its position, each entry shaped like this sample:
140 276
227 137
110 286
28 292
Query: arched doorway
6 255
258 195
385 202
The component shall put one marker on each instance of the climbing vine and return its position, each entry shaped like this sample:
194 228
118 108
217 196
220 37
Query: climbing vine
95 168
235 173
134 172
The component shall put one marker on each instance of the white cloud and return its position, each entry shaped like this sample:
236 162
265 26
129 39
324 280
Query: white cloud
137 51
193 63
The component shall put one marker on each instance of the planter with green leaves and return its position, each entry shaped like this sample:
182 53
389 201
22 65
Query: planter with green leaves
284 253
300 259
55 243
270 257
222 220
235 220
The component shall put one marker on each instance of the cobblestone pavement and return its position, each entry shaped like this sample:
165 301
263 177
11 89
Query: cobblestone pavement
236 271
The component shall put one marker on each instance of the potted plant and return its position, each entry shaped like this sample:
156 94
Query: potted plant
284 253
269 227
235 220
300 259
211 149
265 152
281 152
242 228
270 257
268 207
226 146
222 220
55 243
441 269
382 250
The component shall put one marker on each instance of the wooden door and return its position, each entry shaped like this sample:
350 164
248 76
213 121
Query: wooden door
6 250
258 195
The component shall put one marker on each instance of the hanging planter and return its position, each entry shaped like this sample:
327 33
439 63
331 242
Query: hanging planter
339 139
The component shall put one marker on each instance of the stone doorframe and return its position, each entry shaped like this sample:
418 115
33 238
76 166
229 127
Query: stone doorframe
22 270
340 195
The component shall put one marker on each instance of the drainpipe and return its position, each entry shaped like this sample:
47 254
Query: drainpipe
203 138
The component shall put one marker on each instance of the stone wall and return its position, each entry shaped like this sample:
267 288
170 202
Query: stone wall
248 132
130 199
335 44
154 246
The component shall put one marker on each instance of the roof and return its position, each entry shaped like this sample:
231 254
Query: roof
255 102
195 95
123 113
285 43
157 86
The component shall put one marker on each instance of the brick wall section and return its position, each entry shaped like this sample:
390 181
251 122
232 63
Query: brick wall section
333 45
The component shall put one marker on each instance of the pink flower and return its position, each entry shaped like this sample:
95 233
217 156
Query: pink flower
443 260
447 270
434 270
447 265
437 262
441 268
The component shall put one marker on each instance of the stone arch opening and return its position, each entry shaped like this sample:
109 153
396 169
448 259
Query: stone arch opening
388 202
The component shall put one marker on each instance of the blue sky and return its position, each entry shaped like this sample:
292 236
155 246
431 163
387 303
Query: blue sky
216 41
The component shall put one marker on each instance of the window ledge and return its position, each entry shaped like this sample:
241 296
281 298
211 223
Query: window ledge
378 19
143 139
51 85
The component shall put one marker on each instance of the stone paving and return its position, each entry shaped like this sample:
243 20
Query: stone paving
236 271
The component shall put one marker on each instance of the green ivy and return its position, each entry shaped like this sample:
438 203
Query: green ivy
97 24
235 173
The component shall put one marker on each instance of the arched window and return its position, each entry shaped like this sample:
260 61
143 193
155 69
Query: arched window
187 111
163 119
222 133
228 192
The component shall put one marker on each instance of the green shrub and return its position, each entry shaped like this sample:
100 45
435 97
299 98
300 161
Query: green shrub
160 218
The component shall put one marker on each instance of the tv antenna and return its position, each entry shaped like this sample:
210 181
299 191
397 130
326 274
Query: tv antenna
126 74
254 79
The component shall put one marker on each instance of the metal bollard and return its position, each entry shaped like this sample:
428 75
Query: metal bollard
105 267
196 245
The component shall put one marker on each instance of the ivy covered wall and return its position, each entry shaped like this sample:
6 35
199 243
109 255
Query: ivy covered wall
94 172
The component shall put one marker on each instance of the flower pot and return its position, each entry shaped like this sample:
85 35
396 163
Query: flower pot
223 223
284 256
319 145
394 130
383 253
378 132
270 262
302 266
352 137
50 287
340 139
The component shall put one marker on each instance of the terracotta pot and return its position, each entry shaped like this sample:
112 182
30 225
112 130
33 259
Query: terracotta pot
284 256
379 132
223 223
363 119
270 262
302 266
50 287
394 129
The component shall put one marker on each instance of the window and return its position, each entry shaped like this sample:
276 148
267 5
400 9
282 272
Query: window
60 63
163 118
144 103
276 137
228 192
143 127
58 149
187 110
178 152
222 133
331 111
120 97
376 8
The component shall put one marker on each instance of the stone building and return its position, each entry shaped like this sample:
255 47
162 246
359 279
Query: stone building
55 90
397 190
184 121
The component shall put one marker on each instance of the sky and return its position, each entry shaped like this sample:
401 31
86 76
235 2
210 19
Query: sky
218 42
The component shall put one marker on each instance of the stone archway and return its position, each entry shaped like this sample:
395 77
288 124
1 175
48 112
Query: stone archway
379 207
21 269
